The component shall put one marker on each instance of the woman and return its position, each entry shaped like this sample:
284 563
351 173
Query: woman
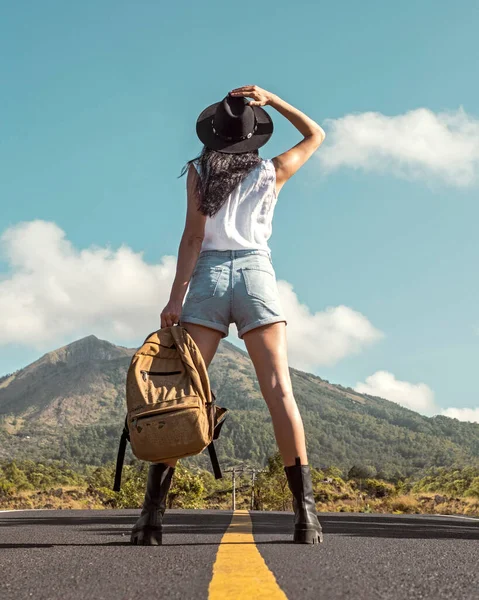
225 260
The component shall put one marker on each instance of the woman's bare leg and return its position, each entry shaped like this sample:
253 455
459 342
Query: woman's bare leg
267 348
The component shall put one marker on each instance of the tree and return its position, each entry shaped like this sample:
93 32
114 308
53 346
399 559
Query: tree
362 472
271 486
187 489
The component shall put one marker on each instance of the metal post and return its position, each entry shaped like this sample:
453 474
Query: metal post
253 473
234 489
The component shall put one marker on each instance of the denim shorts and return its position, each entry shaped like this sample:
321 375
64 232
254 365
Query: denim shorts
233 286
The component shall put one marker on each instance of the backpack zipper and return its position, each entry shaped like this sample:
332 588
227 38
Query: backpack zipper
173 409
146 373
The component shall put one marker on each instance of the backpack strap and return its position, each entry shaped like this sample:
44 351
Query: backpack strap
120 459
219 414
214 461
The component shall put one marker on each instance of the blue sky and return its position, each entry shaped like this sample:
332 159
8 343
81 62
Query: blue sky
99 117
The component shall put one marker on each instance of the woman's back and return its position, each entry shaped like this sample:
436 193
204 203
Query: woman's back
245 218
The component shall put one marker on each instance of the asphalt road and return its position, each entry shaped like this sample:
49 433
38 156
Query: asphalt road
68 555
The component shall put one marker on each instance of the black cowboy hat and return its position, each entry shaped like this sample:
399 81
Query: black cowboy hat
233 126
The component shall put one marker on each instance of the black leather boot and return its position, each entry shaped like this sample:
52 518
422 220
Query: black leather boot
147 531
307 529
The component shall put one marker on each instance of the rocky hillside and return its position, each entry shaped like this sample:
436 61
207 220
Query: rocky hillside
70 405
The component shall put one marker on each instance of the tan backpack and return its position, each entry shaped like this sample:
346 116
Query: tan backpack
172 411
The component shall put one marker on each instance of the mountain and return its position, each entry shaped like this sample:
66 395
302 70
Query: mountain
73 385
70 405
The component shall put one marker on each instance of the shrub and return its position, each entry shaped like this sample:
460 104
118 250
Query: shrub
473 489
404 504
378 489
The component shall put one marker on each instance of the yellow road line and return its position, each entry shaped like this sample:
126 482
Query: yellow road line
239 571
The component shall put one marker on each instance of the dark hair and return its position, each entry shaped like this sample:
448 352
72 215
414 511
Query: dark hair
224 172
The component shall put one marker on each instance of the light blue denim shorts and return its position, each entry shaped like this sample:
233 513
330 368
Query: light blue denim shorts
233 286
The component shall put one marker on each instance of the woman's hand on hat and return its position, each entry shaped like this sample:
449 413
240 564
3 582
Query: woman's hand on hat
260 97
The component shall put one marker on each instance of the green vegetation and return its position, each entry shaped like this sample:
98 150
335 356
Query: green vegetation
27 484
68 408
394 441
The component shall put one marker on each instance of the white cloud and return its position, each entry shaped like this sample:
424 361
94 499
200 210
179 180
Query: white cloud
416 396
463 414
55 291
325 337
420 144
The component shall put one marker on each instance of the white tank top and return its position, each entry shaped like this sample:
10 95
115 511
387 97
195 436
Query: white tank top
245 219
